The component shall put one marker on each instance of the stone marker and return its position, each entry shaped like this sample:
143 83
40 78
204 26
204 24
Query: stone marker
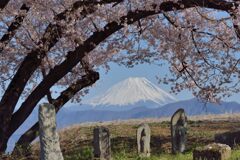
179 131
214 151
231 138
102 145
49 140
143 140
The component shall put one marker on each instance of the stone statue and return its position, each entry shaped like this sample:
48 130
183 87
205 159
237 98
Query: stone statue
102 145
179 131
143 140
49 140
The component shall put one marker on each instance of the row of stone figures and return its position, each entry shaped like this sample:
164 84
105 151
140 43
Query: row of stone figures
102 146
49 139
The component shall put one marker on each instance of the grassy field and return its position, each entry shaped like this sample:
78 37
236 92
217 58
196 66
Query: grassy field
76 141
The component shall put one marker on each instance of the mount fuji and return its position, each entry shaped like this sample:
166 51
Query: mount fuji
137 97
130 93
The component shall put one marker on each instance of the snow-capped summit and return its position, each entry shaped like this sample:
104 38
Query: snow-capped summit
131 91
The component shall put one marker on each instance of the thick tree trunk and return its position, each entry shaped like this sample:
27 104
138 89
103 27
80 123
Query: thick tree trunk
16 87
4 41
3 143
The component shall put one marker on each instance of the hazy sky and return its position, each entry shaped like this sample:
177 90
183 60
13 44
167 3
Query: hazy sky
118 73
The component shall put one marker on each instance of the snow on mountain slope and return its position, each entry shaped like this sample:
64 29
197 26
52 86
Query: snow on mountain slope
131 91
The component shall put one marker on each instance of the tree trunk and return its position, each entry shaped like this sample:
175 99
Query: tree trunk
3 141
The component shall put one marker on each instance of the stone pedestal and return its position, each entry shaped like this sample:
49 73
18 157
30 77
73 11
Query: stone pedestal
143 140
214 151
102 145
49 140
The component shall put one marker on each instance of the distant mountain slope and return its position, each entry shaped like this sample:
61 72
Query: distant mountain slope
132 91
192 107
69 117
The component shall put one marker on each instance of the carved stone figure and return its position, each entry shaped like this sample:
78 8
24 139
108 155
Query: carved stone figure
179 131
102 145
143 140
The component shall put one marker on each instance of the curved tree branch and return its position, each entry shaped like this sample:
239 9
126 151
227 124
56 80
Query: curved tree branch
12 29
236 25
49 96
31 134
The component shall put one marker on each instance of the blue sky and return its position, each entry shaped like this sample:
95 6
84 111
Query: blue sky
118 73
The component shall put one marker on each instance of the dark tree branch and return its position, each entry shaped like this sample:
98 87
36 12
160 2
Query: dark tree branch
235 24
31 134
12 29
17 85
49 96
3 3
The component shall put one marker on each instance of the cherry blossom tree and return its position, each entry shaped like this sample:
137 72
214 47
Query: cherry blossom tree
47 45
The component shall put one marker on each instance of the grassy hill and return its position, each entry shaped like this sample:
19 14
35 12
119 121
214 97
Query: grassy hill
76 141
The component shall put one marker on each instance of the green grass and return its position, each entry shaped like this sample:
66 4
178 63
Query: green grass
86 154
122 156
235 155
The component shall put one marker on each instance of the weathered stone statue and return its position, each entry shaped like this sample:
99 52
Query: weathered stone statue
143 140
102 145
49 140
179 131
